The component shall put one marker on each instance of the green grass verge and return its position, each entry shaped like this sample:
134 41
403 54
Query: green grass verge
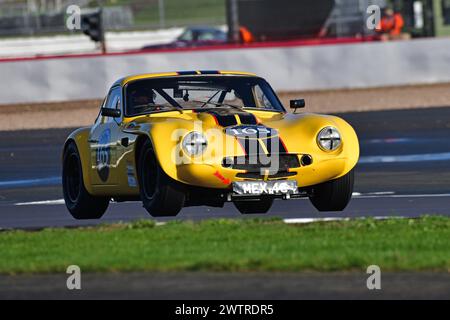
233 245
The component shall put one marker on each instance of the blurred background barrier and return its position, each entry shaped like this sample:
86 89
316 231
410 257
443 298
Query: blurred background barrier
369 64
295 44
76 44
342 18
266 19
40 17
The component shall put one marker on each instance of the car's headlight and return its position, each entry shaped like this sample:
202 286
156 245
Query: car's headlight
194 143
329 139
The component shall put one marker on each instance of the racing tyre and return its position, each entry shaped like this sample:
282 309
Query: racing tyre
254 207
160 195
333 195
79 202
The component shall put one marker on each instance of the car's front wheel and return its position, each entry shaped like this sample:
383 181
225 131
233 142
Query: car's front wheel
254 206
160 195
79 202
333 195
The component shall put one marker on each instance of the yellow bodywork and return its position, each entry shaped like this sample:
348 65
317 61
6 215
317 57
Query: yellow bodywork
166 130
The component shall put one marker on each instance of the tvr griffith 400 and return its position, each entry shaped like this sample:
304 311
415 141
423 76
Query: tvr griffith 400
179 139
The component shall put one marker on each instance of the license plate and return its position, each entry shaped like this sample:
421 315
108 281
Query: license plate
265 187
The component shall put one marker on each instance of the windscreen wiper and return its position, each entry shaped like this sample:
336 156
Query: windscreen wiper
209 100
149 106
219 104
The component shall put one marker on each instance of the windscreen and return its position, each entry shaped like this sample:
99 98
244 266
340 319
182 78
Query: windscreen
156 95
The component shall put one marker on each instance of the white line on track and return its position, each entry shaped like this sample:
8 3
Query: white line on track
311 220
379 193
405 158
41 203
445 156
356 195
31 182
438 195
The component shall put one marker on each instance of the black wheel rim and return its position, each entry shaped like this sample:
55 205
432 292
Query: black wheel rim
149 175
73 177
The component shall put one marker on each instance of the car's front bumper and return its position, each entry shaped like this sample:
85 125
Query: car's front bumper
218 176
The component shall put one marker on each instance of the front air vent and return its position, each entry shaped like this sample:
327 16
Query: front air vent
258 162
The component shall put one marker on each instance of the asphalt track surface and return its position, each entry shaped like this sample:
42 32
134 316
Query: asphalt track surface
404 171
228 286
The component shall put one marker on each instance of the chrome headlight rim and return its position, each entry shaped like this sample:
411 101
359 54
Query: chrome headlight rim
194 143
329 139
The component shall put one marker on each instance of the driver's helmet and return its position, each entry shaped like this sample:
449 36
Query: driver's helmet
142 96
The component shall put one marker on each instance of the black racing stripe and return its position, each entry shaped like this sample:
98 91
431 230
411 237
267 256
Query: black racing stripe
252 147
224 120
274 145
248 118
187 73
261 150
209 72
245 143
268 143
227 118
282 148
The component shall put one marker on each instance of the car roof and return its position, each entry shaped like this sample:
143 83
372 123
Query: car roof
125 80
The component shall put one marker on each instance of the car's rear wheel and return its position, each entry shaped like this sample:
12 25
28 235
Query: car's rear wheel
333 195
254 206
160 195
79 202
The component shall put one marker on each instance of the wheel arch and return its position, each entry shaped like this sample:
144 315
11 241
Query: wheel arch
80 139
139 144
162 147
299 133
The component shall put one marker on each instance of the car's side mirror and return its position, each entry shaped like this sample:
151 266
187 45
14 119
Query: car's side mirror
297 104
113 113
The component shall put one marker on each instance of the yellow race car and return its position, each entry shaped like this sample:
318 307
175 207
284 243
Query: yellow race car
193 138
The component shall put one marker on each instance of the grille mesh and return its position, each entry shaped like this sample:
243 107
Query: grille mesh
256 163
254 175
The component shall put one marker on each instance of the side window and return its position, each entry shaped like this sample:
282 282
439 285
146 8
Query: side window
206 36
186 36
113 99
113 102
262 101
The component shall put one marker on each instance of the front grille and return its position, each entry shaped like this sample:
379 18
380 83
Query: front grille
260 162
255 175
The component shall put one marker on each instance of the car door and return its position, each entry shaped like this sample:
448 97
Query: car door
103 144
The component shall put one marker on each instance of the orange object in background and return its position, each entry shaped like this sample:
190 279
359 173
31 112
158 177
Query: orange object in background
391 23
246 35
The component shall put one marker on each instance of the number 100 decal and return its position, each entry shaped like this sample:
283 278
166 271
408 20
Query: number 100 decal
251 131
103 156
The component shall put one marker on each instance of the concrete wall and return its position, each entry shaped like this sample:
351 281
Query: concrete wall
81 44
286 68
